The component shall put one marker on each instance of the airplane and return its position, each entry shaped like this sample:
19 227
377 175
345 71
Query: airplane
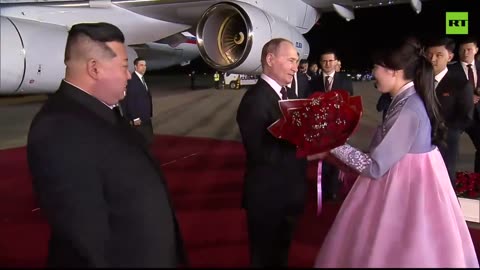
178 49
229 33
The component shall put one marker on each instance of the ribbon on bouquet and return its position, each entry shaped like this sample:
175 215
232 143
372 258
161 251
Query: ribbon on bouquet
319 187
346 178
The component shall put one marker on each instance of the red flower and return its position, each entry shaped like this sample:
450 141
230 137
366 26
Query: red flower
319 123
468 185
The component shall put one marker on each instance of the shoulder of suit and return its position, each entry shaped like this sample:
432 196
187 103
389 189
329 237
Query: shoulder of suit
455 75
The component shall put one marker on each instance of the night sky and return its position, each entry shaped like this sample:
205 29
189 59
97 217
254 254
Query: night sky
357 39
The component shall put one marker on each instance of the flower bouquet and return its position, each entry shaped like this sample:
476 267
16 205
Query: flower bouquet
467 185
319 123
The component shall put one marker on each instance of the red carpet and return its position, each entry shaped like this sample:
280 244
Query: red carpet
205 180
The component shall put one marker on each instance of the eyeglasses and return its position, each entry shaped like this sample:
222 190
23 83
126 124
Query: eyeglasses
327 61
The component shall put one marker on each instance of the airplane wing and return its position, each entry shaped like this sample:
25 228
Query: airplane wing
230 33
345 8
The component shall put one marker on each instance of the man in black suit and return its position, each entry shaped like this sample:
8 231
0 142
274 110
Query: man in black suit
137 105
275 180
313 70
327 80
383 103
300 86
469 69
455 95
104 196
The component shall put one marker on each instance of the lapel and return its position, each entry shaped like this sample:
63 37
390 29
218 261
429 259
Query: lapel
322 79
140 83
271 95
443 87
336 81
477 66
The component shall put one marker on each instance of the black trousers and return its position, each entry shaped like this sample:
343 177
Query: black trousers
270 236
473 132
146 129
449 152
330 182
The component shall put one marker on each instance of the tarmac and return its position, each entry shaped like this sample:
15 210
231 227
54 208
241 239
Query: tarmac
203 112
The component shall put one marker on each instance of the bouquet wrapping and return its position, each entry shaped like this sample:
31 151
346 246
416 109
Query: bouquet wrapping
319 123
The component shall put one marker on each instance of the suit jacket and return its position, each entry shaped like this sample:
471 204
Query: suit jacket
458 70
138 100
455 95
104 196
383 103
303 85
340 81
275 180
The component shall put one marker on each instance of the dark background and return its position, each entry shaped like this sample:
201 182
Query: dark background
356 40
373 27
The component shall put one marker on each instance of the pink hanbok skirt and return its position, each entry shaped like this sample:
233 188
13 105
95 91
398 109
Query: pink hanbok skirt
410 217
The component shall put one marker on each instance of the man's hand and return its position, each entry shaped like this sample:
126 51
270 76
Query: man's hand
137 122
318 156
476 99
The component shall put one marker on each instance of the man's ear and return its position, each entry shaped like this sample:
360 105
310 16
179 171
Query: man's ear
450 56
269 59
92 68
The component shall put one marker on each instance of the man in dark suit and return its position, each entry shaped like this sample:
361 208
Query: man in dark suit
275 180
300 86
137 105
383 103
455 95
469 69
104 196
327 80
313 69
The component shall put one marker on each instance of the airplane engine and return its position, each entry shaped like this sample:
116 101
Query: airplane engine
231 36
31 56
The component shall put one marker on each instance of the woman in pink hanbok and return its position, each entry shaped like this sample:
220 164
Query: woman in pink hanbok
402 210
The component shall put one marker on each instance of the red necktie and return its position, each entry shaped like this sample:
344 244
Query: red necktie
471 79
327 83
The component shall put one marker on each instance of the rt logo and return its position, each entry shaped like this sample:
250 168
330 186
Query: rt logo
457 23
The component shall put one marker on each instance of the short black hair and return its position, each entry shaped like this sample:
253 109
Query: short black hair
100 33
328 51
468 39
303 61
441 41
138 59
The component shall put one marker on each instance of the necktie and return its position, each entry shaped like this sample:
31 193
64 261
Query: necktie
284 93
327 83
144 83
435 83
471 79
